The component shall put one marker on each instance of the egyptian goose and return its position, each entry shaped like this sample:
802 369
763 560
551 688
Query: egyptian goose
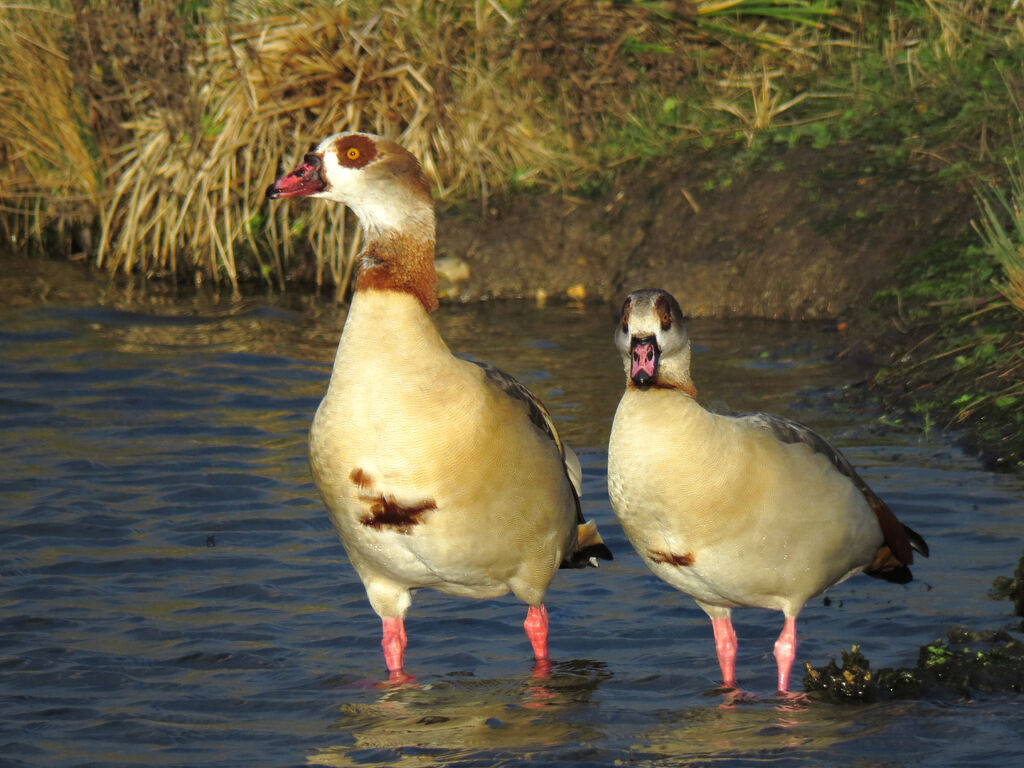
735 510
436 472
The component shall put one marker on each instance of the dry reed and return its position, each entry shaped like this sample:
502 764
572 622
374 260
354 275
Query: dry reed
51 174
484 99
268 87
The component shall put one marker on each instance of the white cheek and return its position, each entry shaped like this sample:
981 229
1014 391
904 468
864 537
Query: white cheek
621 339
337 175
673 343
344 185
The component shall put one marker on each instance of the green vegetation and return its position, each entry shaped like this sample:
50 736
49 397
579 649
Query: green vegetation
959 355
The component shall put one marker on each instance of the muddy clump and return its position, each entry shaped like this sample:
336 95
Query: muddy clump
986 661
1012 588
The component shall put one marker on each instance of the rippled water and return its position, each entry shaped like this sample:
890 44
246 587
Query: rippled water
172 593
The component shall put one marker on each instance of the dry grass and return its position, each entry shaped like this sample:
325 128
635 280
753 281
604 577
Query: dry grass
269 86
766 101
51 174
169 145
199 130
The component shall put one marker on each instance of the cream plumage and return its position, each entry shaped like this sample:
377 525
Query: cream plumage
435 472
735 510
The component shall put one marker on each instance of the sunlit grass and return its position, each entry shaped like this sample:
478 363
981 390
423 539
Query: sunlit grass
51 175
492 96
1002 231
269 86
810 12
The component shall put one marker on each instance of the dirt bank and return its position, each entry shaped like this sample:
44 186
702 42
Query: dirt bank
807 234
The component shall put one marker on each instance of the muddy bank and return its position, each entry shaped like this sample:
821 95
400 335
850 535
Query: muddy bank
806 234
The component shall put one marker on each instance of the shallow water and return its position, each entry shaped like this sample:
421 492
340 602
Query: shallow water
172 594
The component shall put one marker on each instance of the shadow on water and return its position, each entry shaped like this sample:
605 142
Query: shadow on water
171 592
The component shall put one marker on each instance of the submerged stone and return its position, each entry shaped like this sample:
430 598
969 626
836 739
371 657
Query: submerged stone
987 661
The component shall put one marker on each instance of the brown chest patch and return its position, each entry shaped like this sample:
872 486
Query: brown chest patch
360 478
386 512
670 558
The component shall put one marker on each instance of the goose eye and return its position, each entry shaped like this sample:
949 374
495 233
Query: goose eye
352 153
666 321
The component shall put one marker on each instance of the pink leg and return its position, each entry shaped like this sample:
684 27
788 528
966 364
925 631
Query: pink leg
725 646
785 652
536 626
393 643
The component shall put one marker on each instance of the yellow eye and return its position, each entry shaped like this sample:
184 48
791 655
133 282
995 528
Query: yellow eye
352 153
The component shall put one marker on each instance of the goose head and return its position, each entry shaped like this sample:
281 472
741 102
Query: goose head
381 182
653 342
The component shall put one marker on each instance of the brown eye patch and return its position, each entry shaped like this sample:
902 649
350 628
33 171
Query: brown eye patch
355 151
668 310
627 309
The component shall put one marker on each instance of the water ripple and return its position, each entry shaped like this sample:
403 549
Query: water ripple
173 594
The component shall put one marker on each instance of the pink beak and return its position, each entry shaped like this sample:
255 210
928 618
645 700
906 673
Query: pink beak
307 179
644 365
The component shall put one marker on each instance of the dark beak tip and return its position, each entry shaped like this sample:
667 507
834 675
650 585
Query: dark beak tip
642 379
272 193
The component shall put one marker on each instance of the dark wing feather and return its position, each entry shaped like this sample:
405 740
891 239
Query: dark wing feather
512 387
541 419
789 431
900 539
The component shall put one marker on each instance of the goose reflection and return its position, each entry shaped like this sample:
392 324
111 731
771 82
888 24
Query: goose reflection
749 729
458 717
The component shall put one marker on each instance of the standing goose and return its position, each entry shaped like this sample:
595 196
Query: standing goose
435 472
740 510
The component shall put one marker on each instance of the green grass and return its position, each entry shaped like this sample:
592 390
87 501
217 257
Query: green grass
959 358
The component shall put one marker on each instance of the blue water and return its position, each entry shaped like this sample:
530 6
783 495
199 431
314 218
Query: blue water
172 594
